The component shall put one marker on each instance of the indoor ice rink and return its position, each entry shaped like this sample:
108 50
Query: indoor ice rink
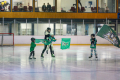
67 65
59 40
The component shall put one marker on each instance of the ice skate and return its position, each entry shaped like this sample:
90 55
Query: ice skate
42 56
90 56
52 55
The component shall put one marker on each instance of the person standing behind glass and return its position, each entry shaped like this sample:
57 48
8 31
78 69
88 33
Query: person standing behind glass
20 7
48 7
2 8
6 5
107 9
44 7
79 2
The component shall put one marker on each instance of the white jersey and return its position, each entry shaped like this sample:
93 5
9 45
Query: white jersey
47 34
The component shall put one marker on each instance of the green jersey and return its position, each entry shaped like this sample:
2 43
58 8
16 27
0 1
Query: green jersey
93 44
32 46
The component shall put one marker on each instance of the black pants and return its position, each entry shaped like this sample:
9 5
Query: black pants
80 4
32 53
45 47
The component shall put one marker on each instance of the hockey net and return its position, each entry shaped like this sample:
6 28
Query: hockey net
6 39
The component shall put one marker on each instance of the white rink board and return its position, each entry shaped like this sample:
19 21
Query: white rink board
74 39
6 40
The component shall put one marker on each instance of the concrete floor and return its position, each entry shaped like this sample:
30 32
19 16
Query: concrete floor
70 64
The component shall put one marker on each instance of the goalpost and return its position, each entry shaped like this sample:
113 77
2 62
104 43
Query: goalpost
6 39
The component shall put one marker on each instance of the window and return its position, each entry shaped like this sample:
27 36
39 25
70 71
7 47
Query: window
80 28
107 6
16 28
66 6
88 6
5 28
75 27
90 27
5 5
45 5
110 22
40 30
60 29
26 29
22 27
42 25
22 5
5 25
66 27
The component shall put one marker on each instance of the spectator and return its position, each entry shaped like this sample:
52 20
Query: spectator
2 8
44 7
79 2
20 7
48 7
118 9
2 3
107 9
6 5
